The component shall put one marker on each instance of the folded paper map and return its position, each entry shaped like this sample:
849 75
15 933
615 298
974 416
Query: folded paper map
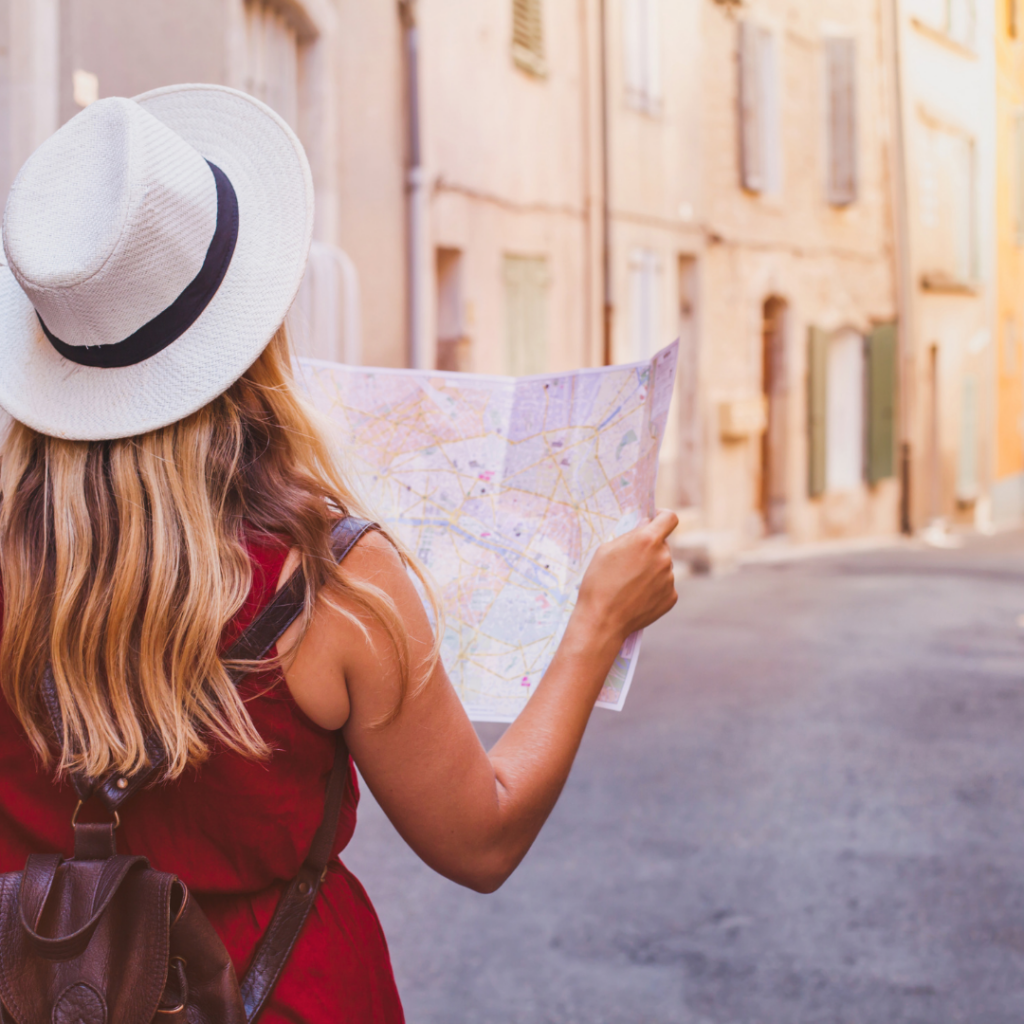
503 487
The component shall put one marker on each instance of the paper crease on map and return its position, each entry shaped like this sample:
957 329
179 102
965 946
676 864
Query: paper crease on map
503 487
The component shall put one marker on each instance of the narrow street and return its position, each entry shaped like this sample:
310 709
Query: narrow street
810 812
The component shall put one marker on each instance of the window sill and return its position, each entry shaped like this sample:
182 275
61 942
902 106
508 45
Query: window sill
936 35
944 284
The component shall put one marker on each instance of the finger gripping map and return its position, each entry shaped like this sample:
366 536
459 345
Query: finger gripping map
504 488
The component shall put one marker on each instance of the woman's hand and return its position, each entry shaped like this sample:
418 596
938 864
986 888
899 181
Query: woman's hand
629 583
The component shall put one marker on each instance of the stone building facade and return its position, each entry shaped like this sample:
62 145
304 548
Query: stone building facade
945 61
519 186
798 286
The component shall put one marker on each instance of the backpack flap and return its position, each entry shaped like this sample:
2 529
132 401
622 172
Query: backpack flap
84 941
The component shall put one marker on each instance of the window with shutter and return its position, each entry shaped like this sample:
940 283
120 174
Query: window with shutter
452 341
526 314
759 113
645 307
967 462
271 70
844 416
962 21
965 211
528 36
841 96
948 203
643 55
751 153
817 403
883 376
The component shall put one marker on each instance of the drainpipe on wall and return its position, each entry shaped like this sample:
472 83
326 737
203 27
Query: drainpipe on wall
606 212
904 271
416 193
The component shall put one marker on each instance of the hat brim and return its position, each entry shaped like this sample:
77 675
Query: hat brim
267 166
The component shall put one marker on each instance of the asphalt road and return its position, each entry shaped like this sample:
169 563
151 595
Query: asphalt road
810 812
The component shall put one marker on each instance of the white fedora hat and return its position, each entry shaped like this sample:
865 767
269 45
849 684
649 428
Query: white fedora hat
153 247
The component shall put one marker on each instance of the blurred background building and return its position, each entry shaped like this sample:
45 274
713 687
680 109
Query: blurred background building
822 199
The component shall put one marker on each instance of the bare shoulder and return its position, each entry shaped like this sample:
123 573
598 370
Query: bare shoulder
373 559
374 556
346 644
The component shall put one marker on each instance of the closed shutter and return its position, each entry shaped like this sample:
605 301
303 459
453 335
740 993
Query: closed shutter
526 317
965 213
751 118
645 304
528 36
652 31
967 465
841 74
883 378
642 48
633 46
962 21
817 392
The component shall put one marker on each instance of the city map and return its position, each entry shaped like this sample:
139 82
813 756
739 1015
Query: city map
503 488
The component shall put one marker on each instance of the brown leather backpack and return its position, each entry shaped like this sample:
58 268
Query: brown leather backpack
104 939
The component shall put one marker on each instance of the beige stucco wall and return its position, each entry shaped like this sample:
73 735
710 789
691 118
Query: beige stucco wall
950 85
510 170
369 169
513 167
834 267
136 45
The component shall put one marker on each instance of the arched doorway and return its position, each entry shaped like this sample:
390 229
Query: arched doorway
774 439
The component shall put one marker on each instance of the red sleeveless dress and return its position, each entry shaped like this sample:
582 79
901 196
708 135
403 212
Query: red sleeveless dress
234 831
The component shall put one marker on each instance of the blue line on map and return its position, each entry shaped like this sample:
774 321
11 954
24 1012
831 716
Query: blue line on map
609 418
533 572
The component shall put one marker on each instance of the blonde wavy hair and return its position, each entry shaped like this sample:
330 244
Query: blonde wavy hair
122 561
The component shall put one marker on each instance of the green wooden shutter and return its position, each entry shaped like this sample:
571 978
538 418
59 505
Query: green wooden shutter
883 377
526 341
817 395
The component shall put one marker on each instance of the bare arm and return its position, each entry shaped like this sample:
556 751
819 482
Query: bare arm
469 815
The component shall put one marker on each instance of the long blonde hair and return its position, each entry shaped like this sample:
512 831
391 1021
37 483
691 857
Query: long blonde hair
122 561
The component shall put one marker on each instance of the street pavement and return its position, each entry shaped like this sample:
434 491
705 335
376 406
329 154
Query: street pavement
811 811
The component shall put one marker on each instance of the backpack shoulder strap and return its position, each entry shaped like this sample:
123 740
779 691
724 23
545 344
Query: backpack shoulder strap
254 644
298 898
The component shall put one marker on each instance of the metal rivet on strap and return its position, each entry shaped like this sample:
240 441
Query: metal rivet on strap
122 783
303 887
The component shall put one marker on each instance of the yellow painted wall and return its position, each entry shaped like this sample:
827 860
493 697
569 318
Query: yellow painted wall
1009 325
